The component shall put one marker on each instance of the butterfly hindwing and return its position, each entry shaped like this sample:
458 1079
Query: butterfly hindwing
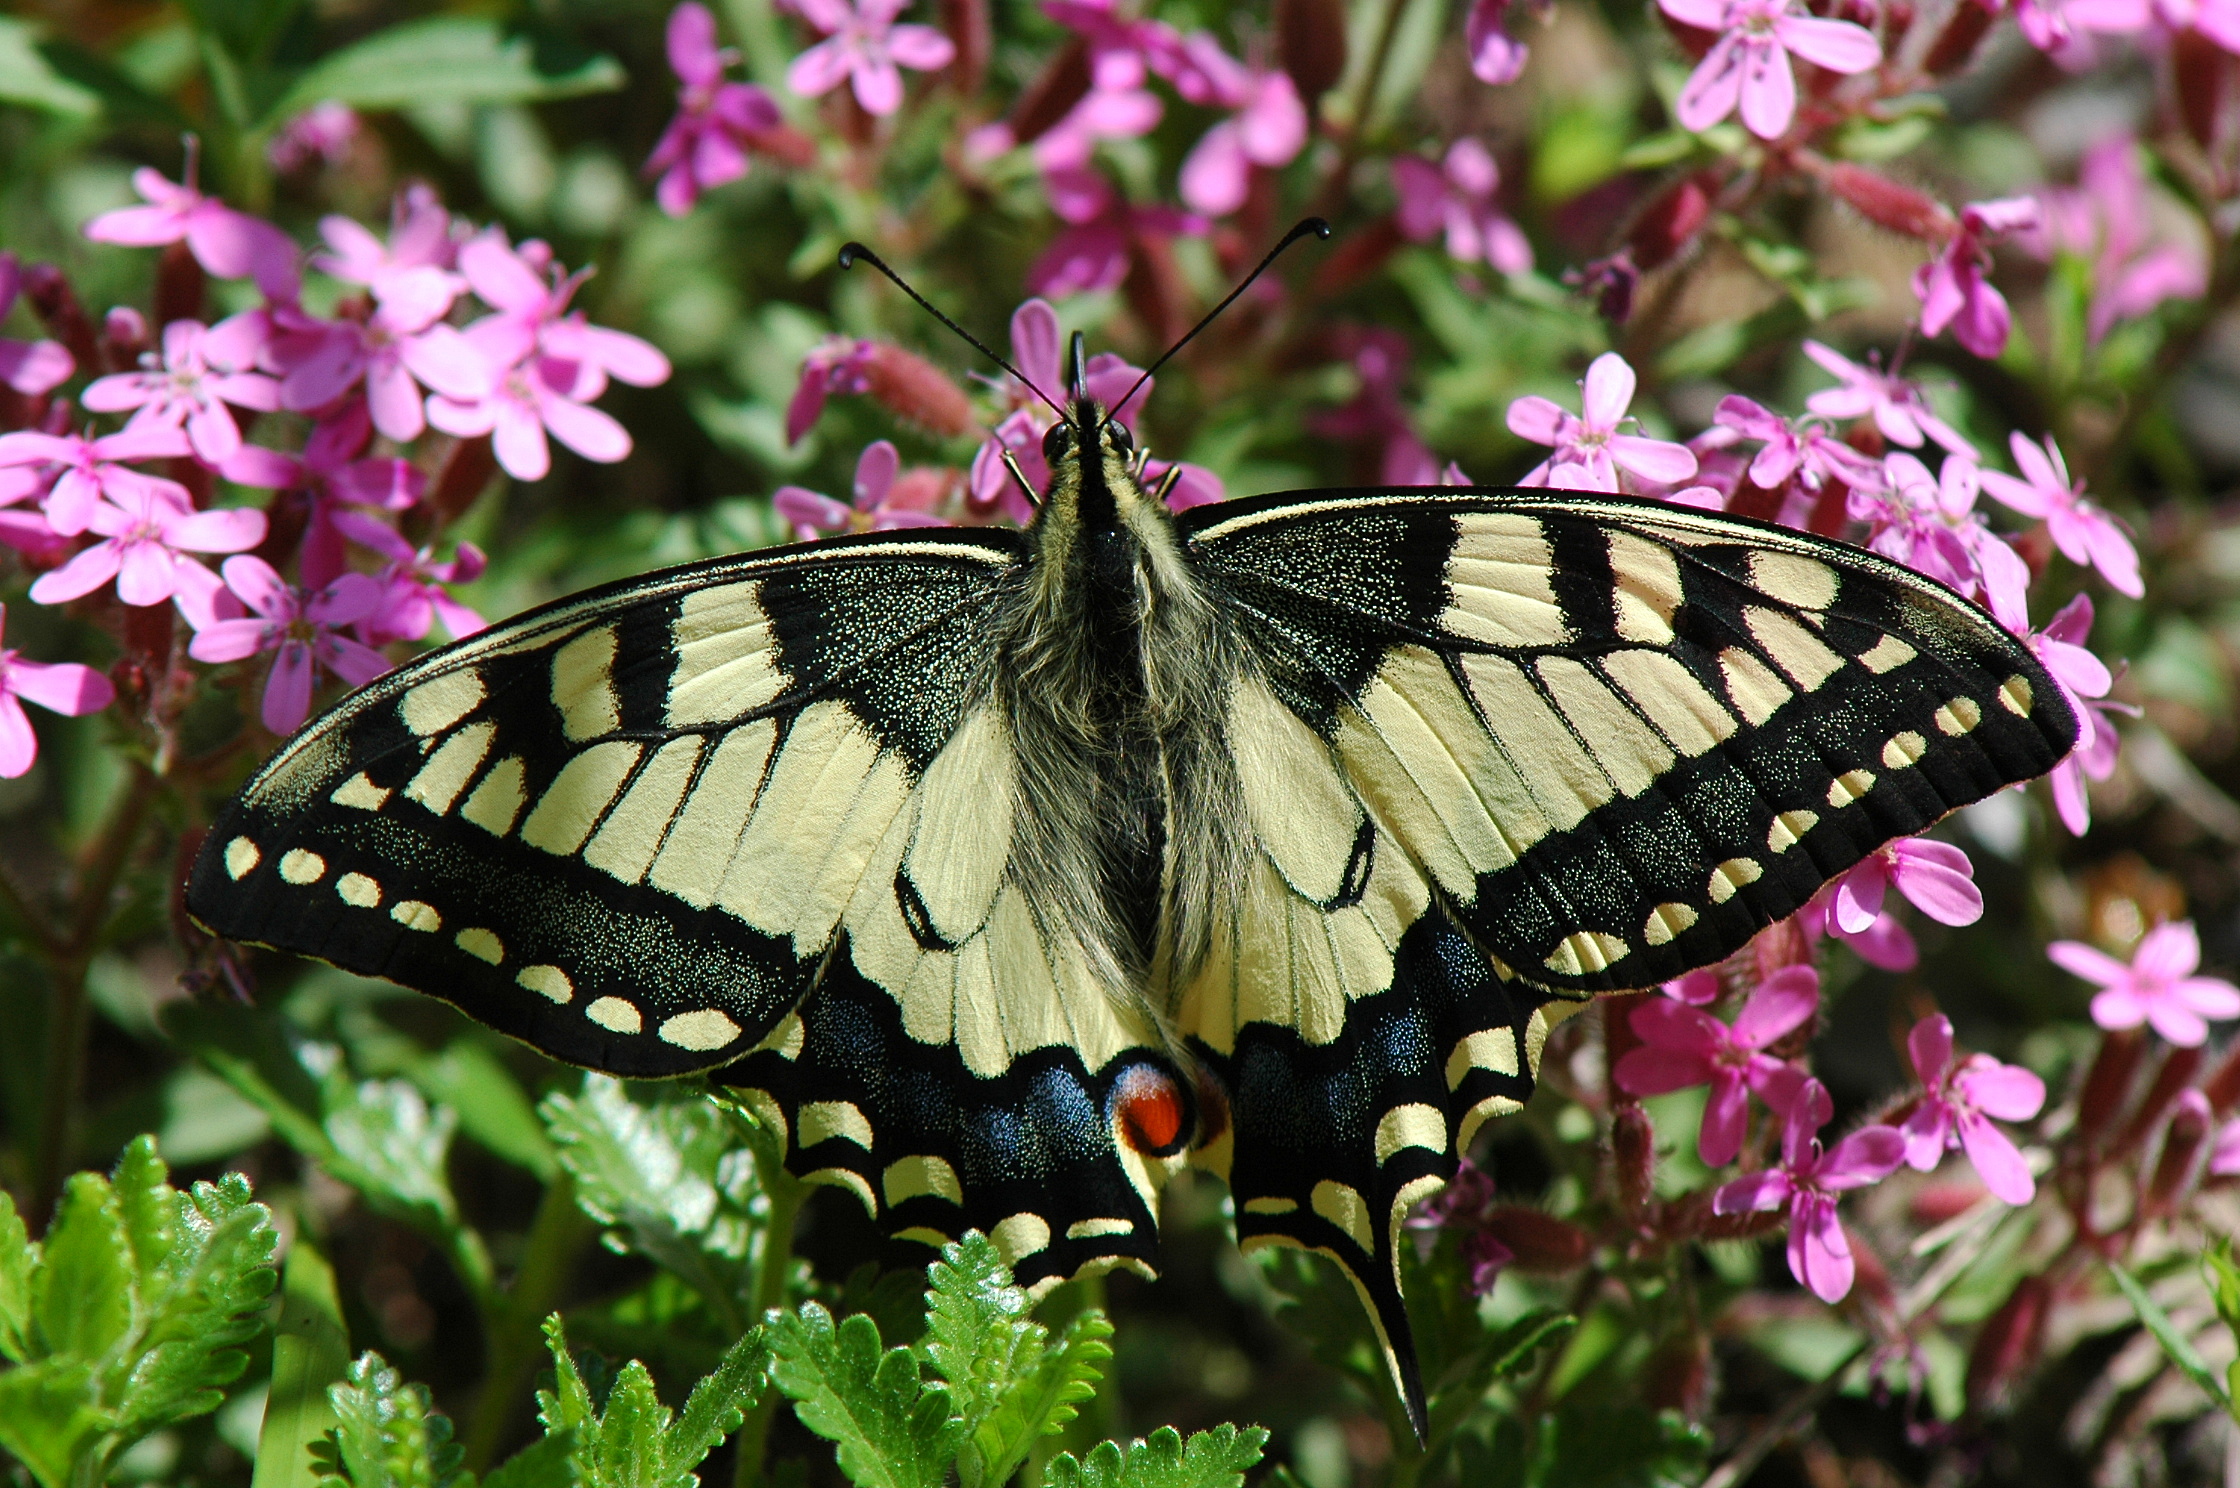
1619 736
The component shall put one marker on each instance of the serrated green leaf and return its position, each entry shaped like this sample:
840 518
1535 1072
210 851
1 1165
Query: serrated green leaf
2174 1343
82 1298
667 1173
550 1463
718 1403
633 1442
1043 1401
451 60
1210 1459
387 1435
48 1419
19 1257
398 1145
201 1307
892 1430
148 1204
310 1351
979 1338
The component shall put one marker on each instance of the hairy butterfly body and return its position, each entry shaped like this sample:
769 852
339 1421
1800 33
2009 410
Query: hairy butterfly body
1004 872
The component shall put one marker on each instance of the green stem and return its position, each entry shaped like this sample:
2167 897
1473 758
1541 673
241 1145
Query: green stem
785 1193
67 1013
556 1238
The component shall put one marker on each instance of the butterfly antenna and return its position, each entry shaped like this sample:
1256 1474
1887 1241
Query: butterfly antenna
1310 226
851 252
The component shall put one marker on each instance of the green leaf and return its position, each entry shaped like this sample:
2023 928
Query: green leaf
669 1175
27 78
453 59
892 1430
310 1351
398 1146
550 1463
387 1435
719 1403
1044 1401
2174 1343
253 1055
202 1304
492 1108
82 1298
48 1419
633 1442
1210 1459
19 1258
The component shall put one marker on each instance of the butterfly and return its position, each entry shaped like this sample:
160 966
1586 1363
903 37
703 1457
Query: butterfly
1002 873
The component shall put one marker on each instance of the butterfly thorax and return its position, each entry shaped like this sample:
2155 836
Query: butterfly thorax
1115 666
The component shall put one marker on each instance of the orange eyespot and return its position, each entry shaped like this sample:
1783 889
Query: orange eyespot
1149 1106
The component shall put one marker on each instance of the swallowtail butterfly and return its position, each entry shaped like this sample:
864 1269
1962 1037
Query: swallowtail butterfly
1004 872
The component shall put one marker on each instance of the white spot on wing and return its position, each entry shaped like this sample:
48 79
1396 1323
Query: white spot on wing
302 866
242 857
359 890
701 1029
547 981
615 1015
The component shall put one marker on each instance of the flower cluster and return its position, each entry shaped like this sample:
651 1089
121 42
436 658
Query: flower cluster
351 396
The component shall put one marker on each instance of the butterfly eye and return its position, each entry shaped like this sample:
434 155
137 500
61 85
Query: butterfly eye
1057 442
1122 440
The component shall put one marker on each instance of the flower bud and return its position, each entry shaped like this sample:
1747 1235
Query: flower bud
1956 43
2181 1144
2108 1082
464 474
179 285
1538 1241
1052 95
1671 220
2009 1342
2223 1086
49 292
971 30
1311 41
124 335
1612 282
911 387
1678 1375
2172 1078
1633 1153
1887 203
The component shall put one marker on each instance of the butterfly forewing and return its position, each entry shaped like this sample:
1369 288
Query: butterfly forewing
1622 737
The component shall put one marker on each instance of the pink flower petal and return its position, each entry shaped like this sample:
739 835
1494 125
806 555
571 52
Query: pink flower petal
1996 1160
1769 88
1658 460
287 691
1655 1071
1782 1003
1868 1155
2006 1091
2119 1007
1714 88
82 575
62 686
587 431
1607 392
517 439
2208 996
19 745
220 641
1925 1133
1537 419
1839 46
1930 1047
920 48
1726 1116
1663 1023
144 573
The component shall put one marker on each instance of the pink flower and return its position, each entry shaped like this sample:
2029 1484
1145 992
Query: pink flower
706 144
1749 63
2106 218
1683 1046
1807 452
1952 286
420 245
321 135
147 534
1698 988
1116 107
2224 1157
1269 127
78 471
1930 525
30 367
402 345
877 507
1808 1181
839 364
1035 343
413 592
518 411
1885 943
1495 56
1103 229
2084 679
2084 533
863 44
531 295
1590 450
1895 405
2060 26
202 369
330 474
2094 759
230 244
1936 876
1958 1100
303 631
2158 987
1458 198
59 686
